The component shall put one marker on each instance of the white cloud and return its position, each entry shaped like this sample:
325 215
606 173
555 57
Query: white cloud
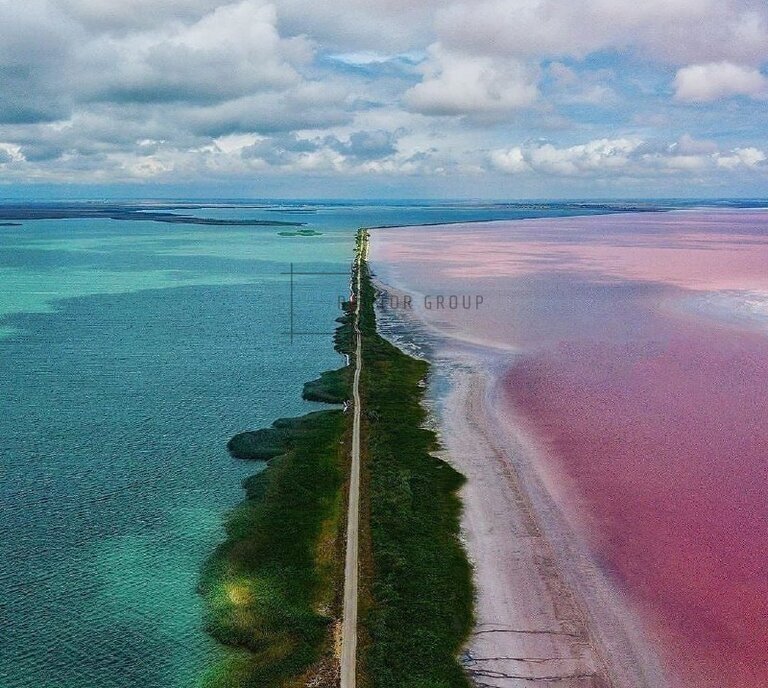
233 51
626 157
676 31
597 155
488 51
148 167
457 84
119 16
96 89
742 157
387 26
510 161
704 83
688 145
305 106
681 163
10 153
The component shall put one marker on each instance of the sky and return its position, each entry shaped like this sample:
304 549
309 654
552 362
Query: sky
502 99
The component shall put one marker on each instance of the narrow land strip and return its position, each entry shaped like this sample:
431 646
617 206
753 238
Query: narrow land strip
416 591
351 566
271 589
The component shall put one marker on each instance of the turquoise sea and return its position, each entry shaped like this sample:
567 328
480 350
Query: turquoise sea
130 352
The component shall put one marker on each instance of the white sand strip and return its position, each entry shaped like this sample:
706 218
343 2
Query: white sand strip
545 614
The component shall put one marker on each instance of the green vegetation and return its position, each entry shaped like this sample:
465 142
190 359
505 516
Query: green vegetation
332 387
301 232
258 445
272 589
419 596
267 443
344 338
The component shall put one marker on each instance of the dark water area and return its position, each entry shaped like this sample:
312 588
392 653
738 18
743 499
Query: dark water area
116 414
129 354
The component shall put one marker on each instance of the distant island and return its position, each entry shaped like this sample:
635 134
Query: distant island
301 232
83 211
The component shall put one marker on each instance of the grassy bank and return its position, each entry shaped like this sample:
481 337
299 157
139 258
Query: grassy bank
272 589
417 581
332 387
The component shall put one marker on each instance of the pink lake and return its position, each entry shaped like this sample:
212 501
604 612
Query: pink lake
637 355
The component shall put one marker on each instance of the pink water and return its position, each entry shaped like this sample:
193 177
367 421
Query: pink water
647 387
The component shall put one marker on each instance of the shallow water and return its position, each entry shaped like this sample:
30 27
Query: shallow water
640 359
117 405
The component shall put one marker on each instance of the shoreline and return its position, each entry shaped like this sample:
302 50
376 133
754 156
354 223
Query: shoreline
545 612
272 589
618 634
634 429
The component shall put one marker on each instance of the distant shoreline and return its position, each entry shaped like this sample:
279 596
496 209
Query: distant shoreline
86 211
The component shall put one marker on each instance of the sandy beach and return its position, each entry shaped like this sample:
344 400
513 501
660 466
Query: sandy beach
545 612
606 416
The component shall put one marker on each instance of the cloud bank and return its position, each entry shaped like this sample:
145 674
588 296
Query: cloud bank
185 91
627 158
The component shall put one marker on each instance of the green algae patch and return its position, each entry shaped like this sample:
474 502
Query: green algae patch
332 387
417 599
268 594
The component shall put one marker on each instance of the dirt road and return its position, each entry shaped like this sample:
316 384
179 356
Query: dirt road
349 614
